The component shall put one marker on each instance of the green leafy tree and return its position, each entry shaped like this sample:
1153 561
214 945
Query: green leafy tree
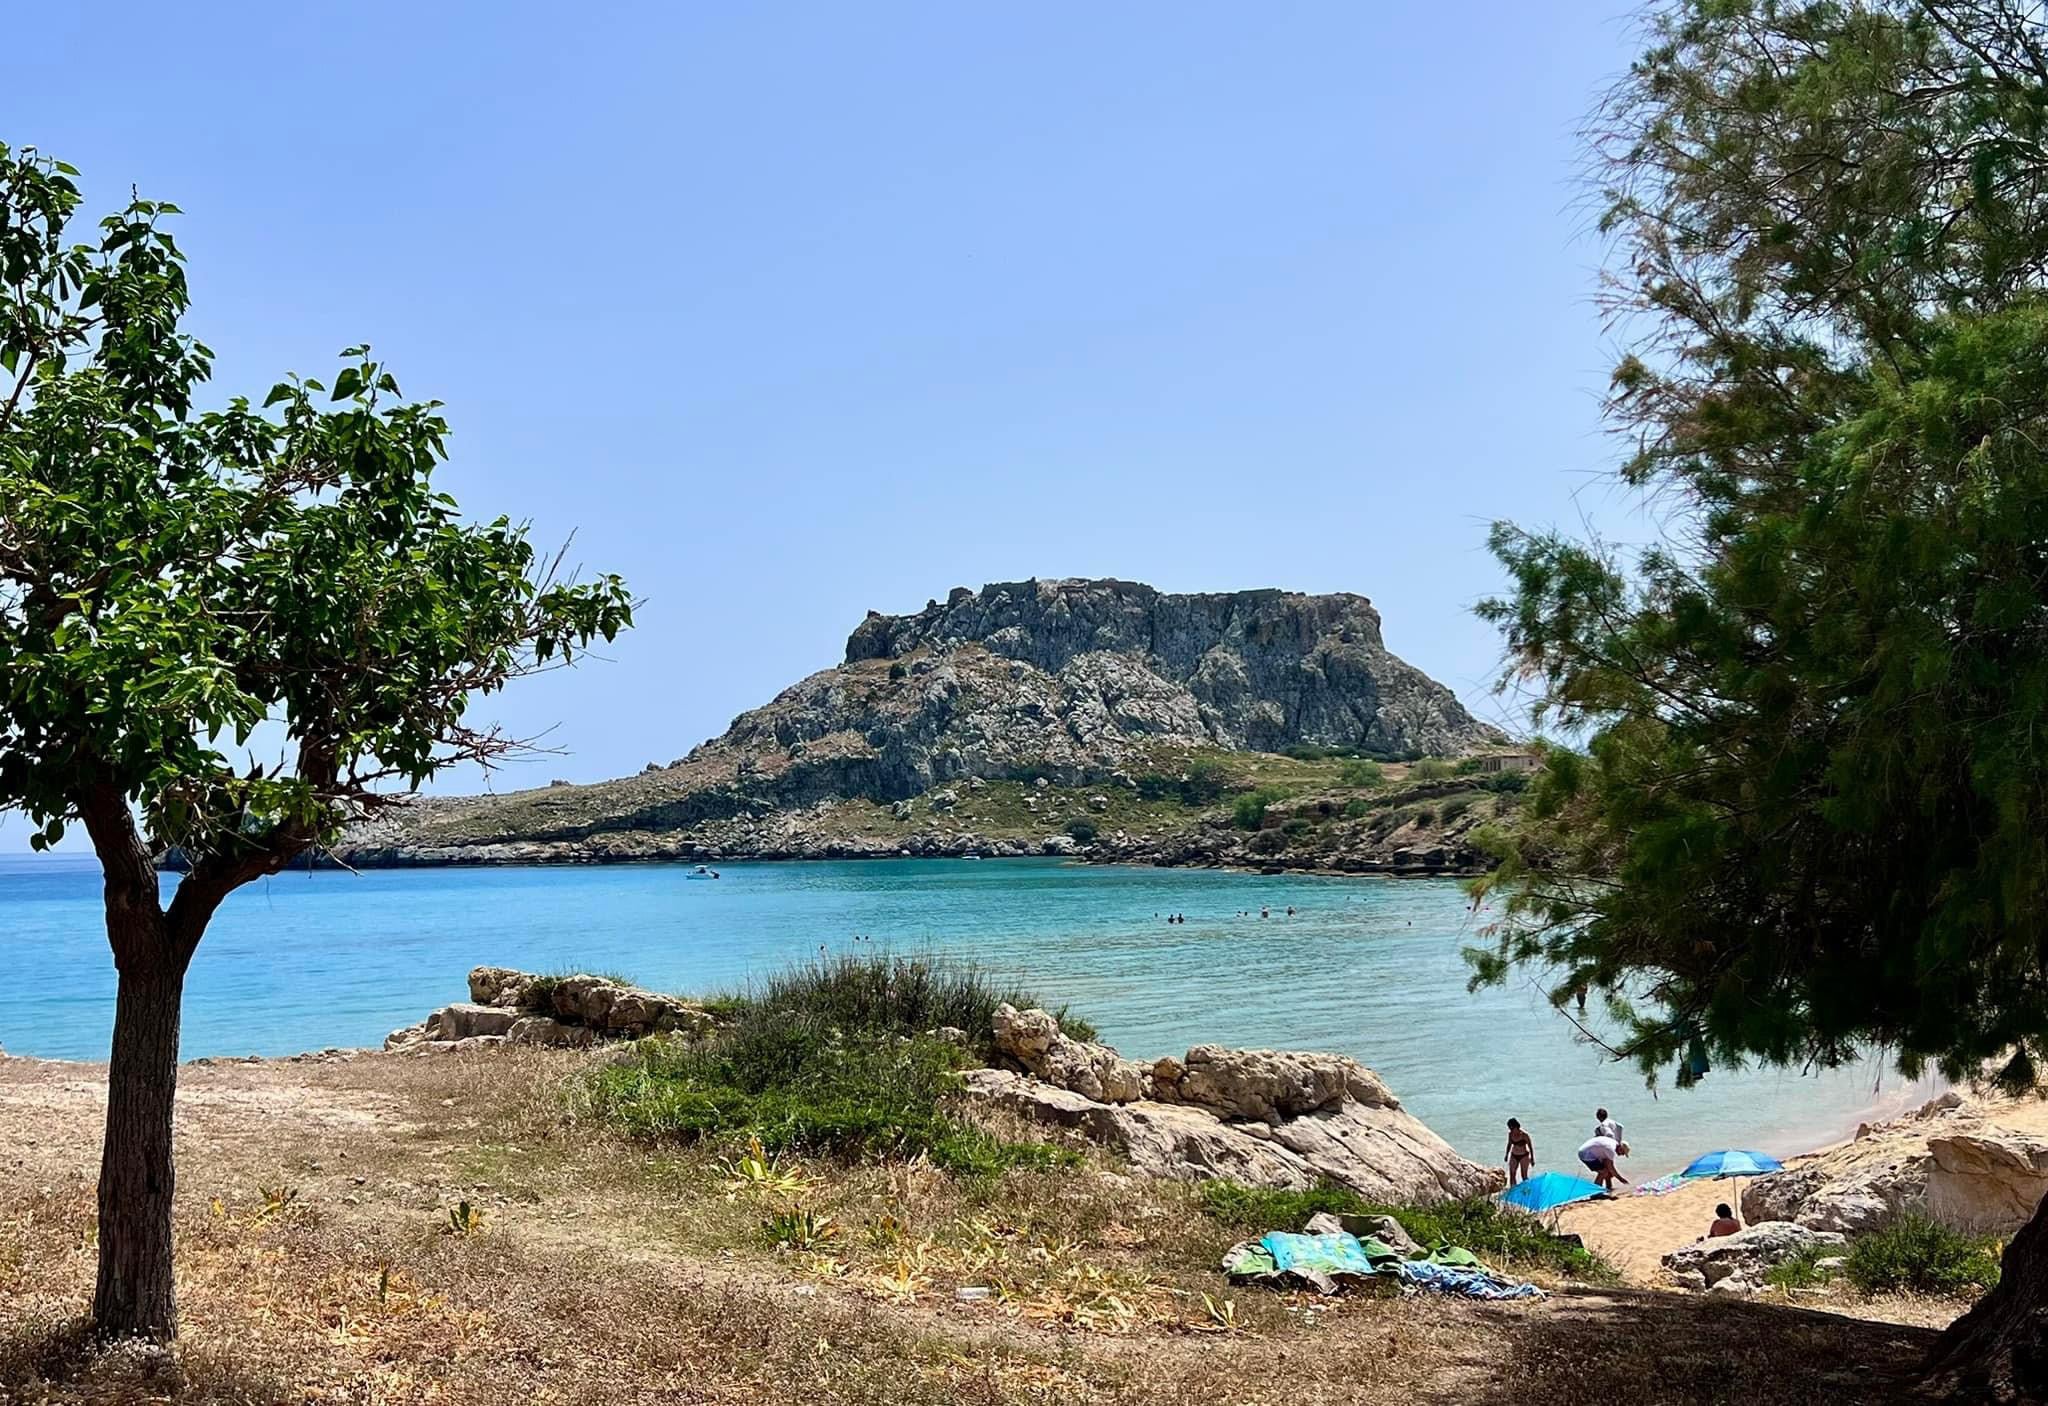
1811 818
178 582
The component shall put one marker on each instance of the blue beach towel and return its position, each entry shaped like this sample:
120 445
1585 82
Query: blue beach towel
1336 1253
1467 1283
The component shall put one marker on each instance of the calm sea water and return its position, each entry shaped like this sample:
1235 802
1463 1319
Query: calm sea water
1369 967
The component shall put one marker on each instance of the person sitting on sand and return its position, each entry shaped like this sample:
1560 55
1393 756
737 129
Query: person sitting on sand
1600 1153
1724 1223
1521 1153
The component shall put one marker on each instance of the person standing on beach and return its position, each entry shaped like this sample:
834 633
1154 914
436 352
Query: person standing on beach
1521 1153
1607 1127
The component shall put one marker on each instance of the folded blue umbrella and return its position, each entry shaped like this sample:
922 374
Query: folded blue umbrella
1733 1162
1549 1190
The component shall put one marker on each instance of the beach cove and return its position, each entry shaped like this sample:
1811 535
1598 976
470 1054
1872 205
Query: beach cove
1365 967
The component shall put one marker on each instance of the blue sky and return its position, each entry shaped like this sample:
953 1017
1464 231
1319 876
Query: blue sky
793 311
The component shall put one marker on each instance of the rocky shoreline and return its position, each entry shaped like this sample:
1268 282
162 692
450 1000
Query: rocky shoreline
1283 1119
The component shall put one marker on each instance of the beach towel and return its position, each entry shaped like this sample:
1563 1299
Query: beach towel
1337 1253
1660 1185
1467 1283
1325 1262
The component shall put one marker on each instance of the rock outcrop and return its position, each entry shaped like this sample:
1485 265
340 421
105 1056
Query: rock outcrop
1263 1117
1737 1263
523 1008
1078 682
1950 1160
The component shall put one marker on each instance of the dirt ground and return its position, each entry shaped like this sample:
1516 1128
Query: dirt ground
373 1229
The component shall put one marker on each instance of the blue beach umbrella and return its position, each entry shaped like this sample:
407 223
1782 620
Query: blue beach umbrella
1732 1162
1546 1191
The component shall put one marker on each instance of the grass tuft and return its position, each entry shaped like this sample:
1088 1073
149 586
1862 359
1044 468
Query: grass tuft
1916 1254
833 1057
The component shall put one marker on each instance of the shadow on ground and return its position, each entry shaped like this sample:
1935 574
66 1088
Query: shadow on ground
1633 1345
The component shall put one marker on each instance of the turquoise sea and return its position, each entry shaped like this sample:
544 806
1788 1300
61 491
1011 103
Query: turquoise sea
1370 967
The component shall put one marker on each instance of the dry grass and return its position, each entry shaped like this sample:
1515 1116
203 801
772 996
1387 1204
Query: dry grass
318 1263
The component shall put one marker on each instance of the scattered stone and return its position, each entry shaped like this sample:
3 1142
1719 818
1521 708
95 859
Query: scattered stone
1748 1253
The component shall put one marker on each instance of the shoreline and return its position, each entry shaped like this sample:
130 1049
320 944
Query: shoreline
1874 1113
399 860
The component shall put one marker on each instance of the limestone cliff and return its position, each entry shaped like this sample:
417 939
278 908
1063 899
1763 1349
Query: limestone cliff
1075 682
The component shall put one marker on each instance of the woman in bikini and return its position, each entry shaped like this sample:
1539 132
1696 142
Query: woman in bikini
1521 1153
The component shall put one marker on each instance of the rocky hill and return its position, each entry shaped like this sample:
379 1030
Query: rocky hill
1074 685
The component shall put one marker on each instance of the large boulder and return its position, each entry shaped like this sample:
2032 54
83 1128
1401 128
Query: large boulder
1950 1160
499 986
1034 1041
1988 1180
466 1019
1744 1257
1269 1085
1284 1120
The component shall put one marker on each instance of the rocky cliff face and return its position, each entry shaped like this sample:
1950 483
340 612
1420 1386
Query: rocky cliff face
1073 681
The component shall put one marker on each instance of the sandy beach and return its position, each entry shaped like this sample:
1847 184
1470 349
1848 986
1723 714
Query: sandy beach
1635 1232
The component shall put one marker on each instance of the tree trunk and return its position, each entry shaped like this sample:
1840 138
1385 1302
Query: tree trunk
1998 1351
136 1296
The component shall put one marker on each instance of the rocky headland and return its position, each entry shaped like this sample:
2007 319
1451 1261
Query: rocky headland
1096 718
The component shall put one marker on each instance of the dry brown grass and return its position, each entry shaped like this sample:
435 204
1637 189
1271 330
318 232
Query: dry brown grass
318 1264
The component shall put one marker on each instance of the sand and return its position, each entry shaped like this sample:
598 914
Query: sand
1634 1233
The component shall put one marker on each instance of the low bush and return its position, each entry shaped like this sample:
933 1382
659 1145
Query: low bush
1250 811
877 994
1298 826
1358 809
1803 1269
833 1057
1916 1254
1362 773
1505 782
1501 1235
1453 807
1430 769
1082 831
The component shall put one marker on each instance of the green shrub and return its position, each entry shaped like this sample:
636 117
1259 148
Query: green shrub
1306 752
1430 769
1358 809
1506 782
1500 1235
1454 807
1250 810
1802 1270
1363 773
799 1086
1267 842
1205 781
1920 1255
1297 826
898 671
1082 831
877 994
831 1057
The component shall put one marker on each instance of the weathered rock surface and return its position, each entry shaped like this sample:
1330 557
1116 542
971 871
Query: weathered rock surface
533 1010
1949 1160
1072 680
1737 1263
1267 1118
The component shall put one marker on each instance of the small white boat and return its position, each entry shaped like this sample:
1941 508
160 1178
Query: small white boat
702 872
